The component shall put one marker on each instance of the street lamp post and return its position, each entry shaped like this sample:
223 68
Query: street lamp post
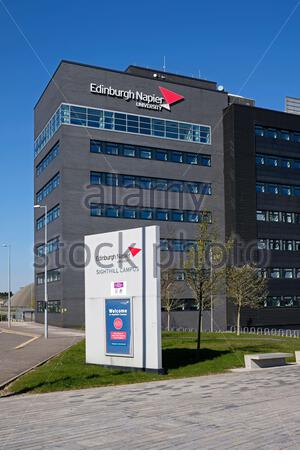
6 245
211 292
45 275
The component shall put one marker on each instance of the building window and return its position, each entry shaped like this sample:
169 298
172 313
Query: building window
282 245
48 188
53 275
129 213
129 181
161 155
149 213
179 275
261 244
274 216
277 162
129 151
145 153
52 215
280 189
54 306
275 273
112 149
277 134
121 122
280 273
292 301
51 155
260 188
261 216
52 245
278 216
162 214
136 151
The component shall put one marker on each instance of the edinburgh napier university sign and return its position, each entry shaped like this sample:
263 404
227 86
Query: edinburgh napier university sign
122 299
142 100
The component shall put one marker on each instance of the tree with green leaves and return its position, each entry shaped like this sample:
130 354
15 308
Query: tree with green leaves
245 289
201 279
171 293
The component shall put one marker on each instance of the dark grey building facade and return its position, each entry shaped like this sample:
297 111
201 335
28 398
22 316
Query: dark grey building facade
117 150
262 187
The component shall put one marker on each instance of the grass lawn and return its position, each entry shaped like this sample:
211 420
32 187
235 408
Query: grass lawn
219 352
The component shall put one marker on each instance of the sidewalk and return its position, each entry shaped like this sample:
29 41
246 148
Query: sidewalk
253 410
23 346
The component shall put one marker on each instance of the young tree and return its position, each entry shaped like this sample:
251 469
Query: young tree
171 293
203 282
245 289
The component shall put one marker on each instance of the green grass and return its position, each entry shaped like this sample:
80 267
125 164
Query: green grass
219 352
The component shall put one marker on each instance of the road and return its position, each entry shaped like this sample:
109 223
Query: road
239 410
23 346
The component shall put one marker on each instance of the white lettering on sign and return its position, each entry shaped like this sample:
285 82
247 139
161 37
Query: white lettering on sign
142 99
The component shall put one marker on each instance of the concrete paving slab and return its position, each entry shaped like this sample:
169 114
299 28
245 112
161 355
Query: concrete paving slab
253 410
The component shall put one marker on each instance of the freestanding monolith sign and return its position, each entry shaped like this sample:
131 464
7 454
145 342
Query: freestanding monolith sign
122 299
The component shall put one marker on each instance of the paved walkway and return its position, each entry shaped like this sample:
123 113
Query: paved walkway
23 346
240 410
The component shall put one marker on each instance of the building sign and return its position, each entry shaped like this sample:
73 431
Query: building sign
117 263
142 100
122 299
118 288
118 327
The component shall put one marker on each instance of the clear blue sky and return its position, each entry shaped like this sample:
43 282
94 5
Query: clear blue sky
251 48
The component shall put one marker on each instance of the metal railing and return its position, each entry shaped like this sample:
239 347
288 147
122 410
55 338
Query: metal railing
288 333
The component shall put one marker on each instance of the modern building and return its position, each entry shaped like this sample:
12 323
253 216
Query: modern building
116 150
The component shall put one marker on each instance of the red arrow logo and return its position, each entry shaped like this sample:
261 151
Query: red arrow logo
134 251
170 97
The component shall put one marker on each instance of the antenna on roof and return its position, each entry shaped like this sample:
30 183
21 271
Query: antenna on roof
199 73
164 64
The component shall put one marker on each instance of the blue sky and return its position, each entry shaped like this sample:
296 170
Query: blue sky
251 48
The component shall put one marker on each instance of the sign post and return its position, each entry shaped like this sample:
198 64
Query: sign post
122 299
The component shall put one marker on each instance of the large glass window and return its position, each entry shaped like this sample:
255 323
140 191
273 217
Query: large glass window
115 121
120 122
